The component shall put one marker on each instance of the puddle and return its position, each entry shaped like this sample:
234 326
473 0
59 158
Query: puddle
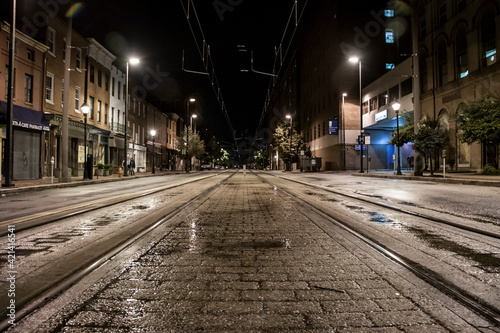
353 207
140 207
486 261
379 218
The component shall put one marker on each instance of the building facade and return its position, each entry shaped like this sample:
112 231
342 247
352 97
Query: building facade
30 128
458 42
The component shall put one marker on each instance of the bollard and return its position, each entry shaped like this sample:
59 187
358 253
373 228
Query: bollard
120 172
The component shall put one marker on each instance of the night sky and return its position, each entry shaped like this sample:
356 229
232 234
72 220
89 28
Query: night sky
157 32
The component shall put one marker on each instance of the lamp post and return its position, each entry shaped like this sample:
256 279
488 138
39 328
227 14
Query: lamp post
85 110
153 133
132 61
187 133
191 126
290 150
357 60
193 116
344 95
396 107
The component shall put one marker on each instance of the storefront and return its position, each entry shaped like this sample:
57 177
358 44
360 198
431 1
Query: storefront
29 127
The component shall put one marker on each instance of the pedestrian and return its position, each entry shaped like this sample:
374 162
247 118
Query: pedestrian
132 167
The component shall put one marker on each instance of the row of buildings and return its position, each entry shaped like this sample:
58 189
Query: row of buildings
38 104
449 60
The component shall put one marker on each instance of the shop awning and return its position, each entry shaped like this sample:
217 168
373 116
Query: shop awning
25 118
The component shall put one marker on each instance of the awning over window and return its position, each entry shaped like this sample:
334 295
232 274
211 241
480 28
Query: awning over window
25 118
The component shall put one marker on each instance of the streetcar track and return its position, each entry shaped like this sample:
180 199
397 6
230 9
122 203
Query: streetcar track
487 311
400 210
54 215
24 308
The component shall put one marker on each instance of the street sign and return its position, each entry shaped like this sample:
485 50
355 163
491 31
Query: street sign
361 139
333 127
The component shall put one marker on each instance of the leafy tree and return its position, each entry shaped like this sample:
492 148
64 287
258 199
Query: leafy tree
479 121
281 138
261 159
406 132
429 138
196 145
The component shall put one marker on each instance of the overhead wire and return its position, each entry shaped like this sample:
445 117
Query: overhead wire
204 51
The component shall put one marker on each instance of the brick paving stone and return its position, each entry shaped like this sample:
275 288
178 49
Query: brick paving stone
247 260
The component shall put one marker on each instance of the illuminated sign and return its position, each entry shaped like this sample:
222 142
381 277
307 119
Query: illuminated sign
389 13
381 115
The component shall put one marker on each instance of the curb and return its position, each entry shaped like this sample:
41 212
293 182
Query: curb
432 179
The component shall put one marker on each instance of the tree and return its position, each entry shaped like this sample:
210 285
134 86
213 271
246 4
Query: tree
196 145
406 132
429 138
480 122
281 138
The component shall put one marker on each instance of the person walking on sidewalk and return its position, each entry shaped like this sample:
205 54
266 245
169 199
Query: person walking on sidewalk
132 167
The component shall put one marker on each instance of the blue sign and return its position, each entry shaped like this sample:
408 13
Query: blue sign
333 127
359 146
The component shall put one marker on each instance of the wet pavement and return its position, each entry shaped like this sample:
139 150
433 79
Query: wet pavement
250 260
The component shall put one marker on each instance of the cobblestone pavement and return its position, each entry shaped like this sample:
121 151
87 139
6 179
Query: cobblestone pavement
248 260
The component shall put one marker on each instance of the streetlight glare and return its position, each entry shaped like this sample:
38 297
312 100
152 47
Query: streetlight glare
153 132
85 108
194 116
396 106
288 116
192 100
133 61
354 59
344 94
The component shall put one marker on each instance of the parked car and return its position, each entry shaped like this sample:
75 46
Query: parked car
206 166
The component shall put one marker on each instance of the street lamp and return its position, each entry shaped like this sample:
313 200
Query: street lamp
290 151
357 60
191 100
396 107
344 95
85 110
193 116
132 61
153 133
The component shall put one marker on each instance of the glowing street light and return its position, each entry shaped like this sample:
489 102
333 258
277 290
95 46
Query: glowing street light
132 61
396 107
153 133
357 60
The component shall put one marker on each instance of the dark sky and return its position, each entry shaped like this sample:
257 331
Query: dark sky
157 32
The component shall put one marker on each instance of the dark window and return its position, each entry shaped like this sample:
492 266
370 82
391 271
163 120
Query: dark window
28 88
106 82
91 104
488 37
442 65
461 5
30 54
91 75
99 78
442 13
382 98
462 59
406 87
394 94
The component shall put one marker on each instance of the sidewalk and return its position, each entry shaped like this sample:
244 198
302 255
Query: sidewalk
464 178
47 182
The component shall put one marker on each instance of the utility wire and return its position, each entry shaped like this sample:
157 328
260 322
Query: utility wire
204 51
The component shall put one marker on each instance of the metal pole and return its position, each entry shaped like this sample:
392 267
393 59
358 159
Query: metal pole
361 118
153 154
65 176
290 151
397 143
85 175
125 143
187 136
343 131
9 134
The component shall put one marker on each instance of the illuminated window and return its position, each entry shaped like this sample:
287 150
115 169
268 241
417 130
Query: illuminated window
389 13
389 36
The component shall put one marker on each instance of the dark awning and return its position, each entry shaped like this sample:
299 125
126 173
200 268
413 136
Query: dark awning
25 118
